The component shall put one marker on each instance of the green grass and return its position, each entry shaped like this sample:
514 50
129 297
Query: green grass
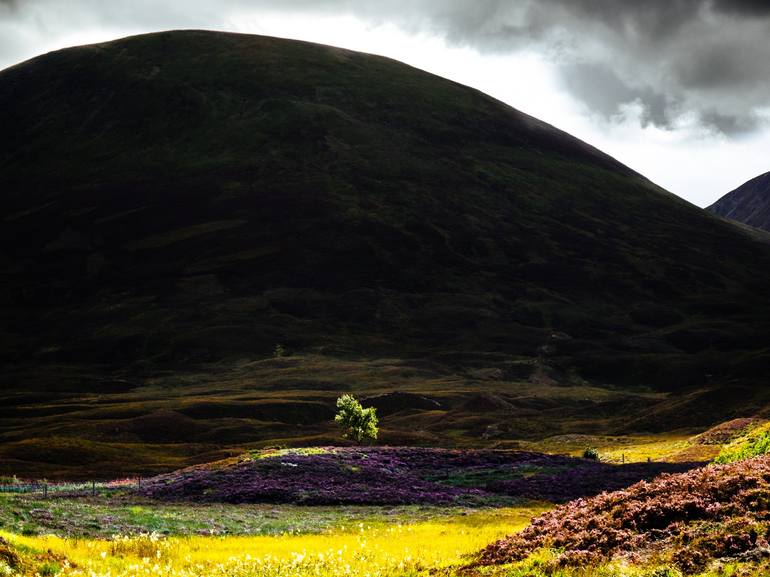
108 515
754 443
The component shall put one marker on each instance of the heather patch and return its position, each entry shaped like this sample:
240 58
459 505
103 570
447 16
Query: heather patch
399 475
727 431
690 519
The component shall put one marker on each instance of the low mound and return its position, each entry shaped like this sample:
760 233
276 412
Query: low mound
687 519
726 432
397 475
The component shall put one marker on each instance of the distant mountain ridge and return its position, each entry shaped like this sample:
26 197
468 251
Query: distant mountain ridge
749 203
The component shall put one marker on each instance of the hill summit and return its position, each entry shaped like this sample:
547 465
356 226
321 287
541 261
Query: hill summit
749 203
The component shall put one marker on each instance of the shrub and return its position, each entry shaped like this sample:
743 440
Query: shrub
357 423
591 453
688 520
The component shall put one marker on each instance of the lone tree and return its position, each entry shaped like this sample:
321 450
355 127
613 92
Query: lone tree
357 423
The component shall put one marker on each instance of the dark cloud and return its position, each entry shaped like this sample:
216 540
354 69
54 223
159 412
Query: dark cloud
743 7
654 19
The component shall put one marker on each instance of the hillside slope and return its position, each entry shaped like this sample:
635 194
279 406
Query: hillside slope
749 203
175 205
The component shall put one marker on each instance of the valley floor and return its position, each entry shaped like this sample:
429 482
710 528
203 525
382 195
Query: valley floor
54 426
449 513
278 541
275 540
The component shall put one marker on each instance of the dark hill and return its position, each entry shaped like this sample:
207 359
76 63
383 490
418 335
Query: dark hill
185 201
749 203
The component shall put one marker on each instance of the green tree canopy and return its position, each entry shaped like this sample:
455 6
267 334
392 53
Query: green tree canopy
356 422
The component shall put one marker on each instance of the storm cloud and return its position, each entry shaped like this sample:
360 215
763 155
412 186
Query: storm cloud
707 60
702 61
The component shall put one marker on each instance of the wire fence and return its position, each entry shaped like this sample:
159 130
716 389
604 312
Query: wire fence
54 488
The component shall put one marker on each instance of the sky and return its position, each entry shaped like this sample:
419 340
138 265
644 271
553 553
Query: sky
678 90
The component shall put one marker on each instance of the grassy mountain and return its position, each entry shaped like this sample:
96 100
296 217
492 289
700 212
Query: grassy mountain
749 203
176 205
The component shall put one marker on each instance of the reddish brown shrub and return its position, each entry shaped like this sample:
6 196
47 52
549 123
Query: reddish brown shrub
714 512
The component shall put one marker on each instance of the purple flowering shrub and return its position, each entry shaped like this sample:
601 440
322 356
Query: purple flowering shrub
690 518
397 475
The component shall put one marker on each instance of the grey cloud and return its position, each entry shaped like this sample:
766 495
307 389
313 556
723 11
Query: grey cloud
600 88
729 124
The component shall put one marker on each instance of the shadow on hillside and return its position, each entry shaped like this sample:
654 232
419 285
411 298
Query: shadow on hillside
578 478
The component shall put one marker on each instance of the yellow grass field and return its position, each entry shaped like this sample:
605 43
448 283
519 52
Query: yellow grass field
378 549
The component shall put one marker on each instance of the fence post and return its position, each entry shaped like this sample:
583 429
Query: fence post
93 488
45 491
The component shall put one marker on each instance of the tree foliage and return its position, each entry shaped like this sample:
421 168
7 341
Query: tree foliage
357 423
591 453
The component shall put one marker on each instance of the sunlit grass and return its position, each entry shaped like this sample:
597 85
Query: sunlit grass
753 443
641 449
376 549
619 449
